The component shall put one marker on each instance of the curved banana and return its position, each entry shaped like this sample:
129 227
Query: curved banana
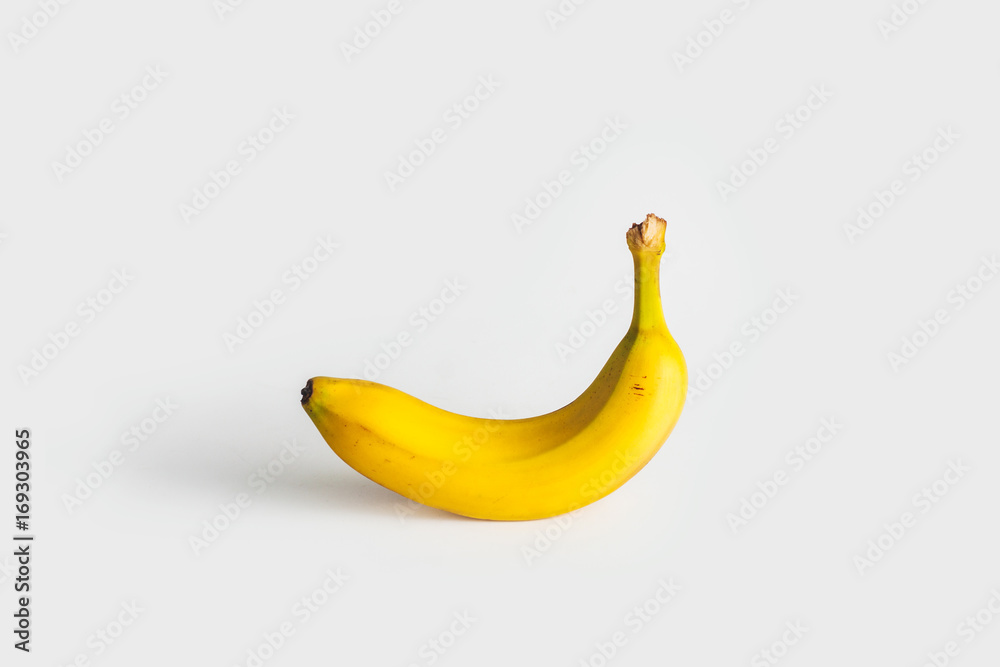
518 469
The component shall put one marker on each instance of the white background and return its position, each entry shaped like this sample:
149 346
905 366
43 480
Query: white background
541 593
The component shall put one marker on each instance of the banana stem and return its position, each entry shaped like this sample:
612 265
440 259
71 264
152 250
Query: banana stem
647 311
646 241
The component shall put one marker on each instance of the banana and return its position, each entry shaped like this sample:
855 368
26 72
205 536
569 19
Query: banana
521 469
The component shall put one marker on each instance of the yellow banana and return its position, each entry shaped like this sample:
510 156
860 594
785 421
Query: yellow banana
518 469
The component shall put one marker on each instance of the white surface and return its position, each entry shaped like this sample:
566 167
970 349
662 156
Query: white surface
495 347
